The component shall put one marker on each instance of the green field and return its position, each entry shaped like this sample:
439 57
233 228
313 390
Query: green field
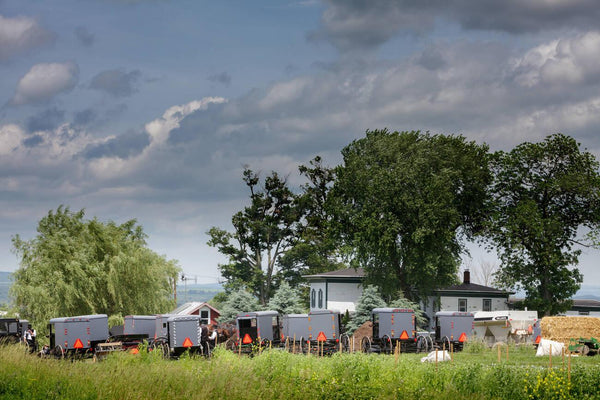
276 374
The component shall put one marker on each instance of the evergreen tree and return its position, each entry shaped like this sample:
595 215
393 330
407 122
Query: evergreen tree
369 299
286 300
238 302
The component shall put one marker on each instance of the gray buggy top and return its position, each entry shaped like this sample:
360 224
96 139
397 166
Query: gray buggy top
395 323
324 325
140 325
184 331
258 324
80 332
454 325
295 326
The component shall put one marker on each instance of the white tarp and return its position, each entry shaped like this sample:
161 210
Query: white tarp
545 345
441 356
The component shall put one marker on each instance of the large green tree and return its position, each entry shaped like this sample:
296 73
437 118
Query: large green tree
543 193
263 232
405 201
76 266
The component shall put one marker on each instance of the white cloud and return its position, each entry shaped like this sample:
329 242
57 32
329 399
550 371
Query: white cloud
20 34
44 81
564 61
11 137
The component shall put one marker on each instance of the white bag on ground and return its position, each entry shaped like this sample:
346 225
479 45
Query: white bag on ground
545 345
441 356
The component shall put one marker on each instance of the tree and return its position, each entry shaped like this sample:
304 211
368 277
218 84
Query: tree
485 272
263 232
286 300
405 201
369 299
543 193
238 301
78 267
317 249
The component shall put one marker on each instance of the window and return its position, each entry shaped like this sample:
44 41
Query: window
584 313
462 305
313 302
320 298
487 305
204 317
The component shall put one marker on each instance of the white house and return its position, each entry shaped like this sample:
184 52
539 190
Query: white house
340 290
336 290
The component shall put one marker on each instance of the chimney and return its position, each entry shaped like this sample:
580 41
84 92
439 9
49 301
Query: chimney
467 277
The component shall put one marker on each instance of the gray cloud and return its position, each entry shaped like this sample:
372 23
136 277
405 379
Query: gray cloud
44 81
33 140
84 117
116 82
21 34
122 146
84 36
363 25
223 78
47 120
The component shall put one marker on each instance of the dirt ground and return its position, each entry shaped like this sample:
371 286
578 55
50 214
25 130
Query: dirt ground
365 329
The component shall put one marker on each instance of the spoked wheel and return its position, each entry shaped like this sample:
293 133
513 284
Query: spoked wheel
365 344
422 344
166 350
345 341
446 343
386 344
230 344
59 352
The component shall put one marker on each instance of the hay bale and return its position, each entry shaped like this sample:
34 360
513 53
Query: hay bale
563 329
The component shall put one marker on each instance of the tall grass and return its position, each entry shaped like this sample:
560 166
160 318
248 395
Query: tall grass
279 375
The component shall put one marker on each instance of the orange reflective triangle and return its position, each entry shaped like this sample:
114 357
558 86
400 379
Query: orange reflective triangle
135 351
537 339
463 337
187 342
321 337
404 335
247 339
78 344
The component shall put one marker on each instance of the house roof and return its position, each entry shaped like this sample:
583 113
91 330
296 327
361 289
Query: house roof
473 289
188 308
346 273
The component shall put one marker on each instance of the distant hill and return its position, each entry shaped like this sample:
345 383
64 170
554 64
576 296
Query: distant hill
5 282
185 293
588 292
197 292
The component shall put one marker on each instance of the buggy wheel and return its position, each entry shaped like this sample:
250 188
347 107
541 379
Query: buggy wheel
166 351
422 344
265 344
386 344
59 352
230 344
345 340
585 349
446 343
365 344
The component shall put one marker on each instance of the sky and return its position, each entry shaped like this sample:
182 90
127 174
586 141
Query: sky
151 109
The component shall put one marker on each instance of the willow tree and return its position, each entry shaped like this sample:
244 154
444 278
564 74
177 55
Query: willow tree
76 266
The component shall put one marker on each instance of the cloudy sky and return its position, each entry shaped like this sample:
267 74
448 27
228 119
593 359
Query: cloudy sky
150 109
